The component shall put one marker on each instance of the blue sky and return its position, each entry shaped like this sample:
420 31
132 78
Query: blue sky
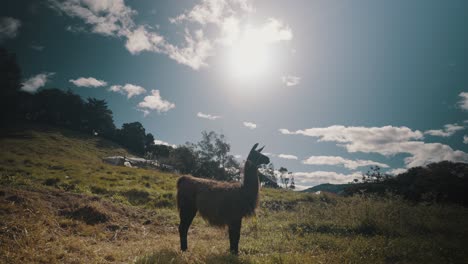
330 87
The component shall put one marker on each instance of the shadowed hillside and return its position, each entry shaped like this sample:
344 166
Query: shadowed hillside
59 203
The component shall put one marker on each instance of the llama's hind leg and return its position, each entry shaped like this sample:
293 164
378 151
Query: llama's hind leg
186 213
234 235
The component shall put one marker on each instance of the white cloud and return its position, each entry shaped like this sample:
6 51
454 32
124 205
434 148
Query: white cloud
212 11
9 27
274 31
116 88
290 80
448 130
250 125
387 140
140 40
130 89
160 142
88 82
336 160
465 139
238 156
109 18
463 103
37 81
195 52
133 90
319 177
208 116
222 18
155 102
287 156
397 171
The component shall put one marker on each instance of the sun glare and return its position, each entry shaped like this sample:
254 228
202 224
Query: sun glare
249 56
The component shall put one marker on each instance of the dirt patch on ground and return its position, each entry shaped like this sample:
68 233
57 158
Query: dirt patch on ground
87 214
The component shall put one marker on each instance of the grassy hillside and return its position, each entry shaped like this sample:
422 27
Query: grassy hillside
59 203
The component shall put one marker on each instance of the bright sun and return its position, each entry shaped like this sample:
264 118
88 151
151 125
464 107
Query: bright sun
249 55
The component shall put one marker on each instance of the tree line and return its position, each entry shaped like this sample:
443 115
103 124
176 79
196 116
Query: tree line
443 181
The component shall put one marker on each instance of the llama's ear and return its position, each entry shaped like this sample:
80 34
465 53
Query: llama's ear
254 147
260 150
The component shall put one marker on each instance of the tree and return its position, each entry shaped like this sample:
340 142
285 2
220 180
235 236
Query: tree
292 184
57 107
283 177
10 85
132 136
184 159
98 118
149 141
159 152
10 74
268 177
214 159
374 175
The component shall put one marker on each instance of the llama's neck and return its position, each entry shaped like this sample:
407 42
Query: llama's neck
251 183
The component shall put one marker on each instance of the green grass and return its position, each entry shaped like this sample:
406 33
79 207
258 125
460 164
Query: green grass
73 162
60 203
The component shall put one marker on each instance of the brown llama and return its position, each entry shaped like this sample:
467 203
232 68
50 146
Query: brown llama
220 203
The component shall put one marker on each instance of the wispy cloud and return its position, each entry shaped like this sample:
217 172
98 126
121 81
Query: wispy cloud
250 125
104 17
463 103
465 139
336 160
35 82
290 80
144 111
221 18
208 116
88 82
287 156
9 27
155 102
447 131
387 140
130 89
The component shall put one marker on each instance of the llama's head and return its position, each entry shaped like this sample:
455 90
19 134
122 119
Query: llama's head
256 157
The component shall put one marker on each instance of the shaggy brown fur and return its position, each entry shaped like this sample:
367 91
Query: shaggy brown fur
220 203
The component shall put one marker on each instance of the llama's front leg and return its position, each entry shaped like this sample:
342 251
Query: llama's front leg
234 236
186 217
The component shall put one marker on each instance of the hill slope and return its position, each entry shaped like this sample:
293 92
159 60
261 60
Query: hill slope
59 203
